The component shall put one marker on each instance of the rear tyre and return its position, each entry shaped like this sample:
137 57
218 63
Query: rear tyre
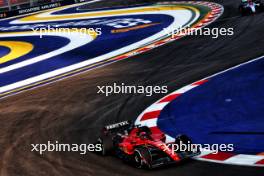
107 145
242 11
145 129
142 158
261 8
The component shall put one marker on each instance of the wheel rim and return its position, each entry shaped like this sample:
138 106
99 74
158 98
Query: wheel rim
138 160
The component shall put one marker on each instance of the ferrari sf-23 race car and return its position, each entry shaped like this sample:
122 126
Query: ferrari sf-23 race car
247 7
142 146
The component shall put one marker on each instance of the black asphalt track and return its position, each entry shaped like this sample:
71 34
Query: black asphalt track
71 111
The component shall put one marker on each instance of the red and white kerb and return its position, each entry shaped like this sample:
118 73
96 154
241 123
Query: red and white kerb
149 117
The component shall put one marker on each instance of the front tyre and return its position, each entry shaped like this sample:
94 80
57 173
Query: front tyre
142 158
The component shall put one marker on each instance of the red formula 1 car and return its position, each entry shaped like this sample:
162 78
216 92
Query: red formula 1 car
141 146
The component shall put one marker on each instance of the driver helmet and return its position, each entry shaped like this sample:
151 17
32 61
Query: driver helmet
143 134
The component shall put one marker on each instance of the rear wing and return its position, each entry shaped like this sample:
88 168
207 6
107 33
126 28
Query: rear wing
118 126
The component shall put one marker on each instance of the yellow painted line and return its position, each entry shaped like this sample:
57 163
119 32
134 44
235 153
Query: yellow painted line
17 49
36 17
